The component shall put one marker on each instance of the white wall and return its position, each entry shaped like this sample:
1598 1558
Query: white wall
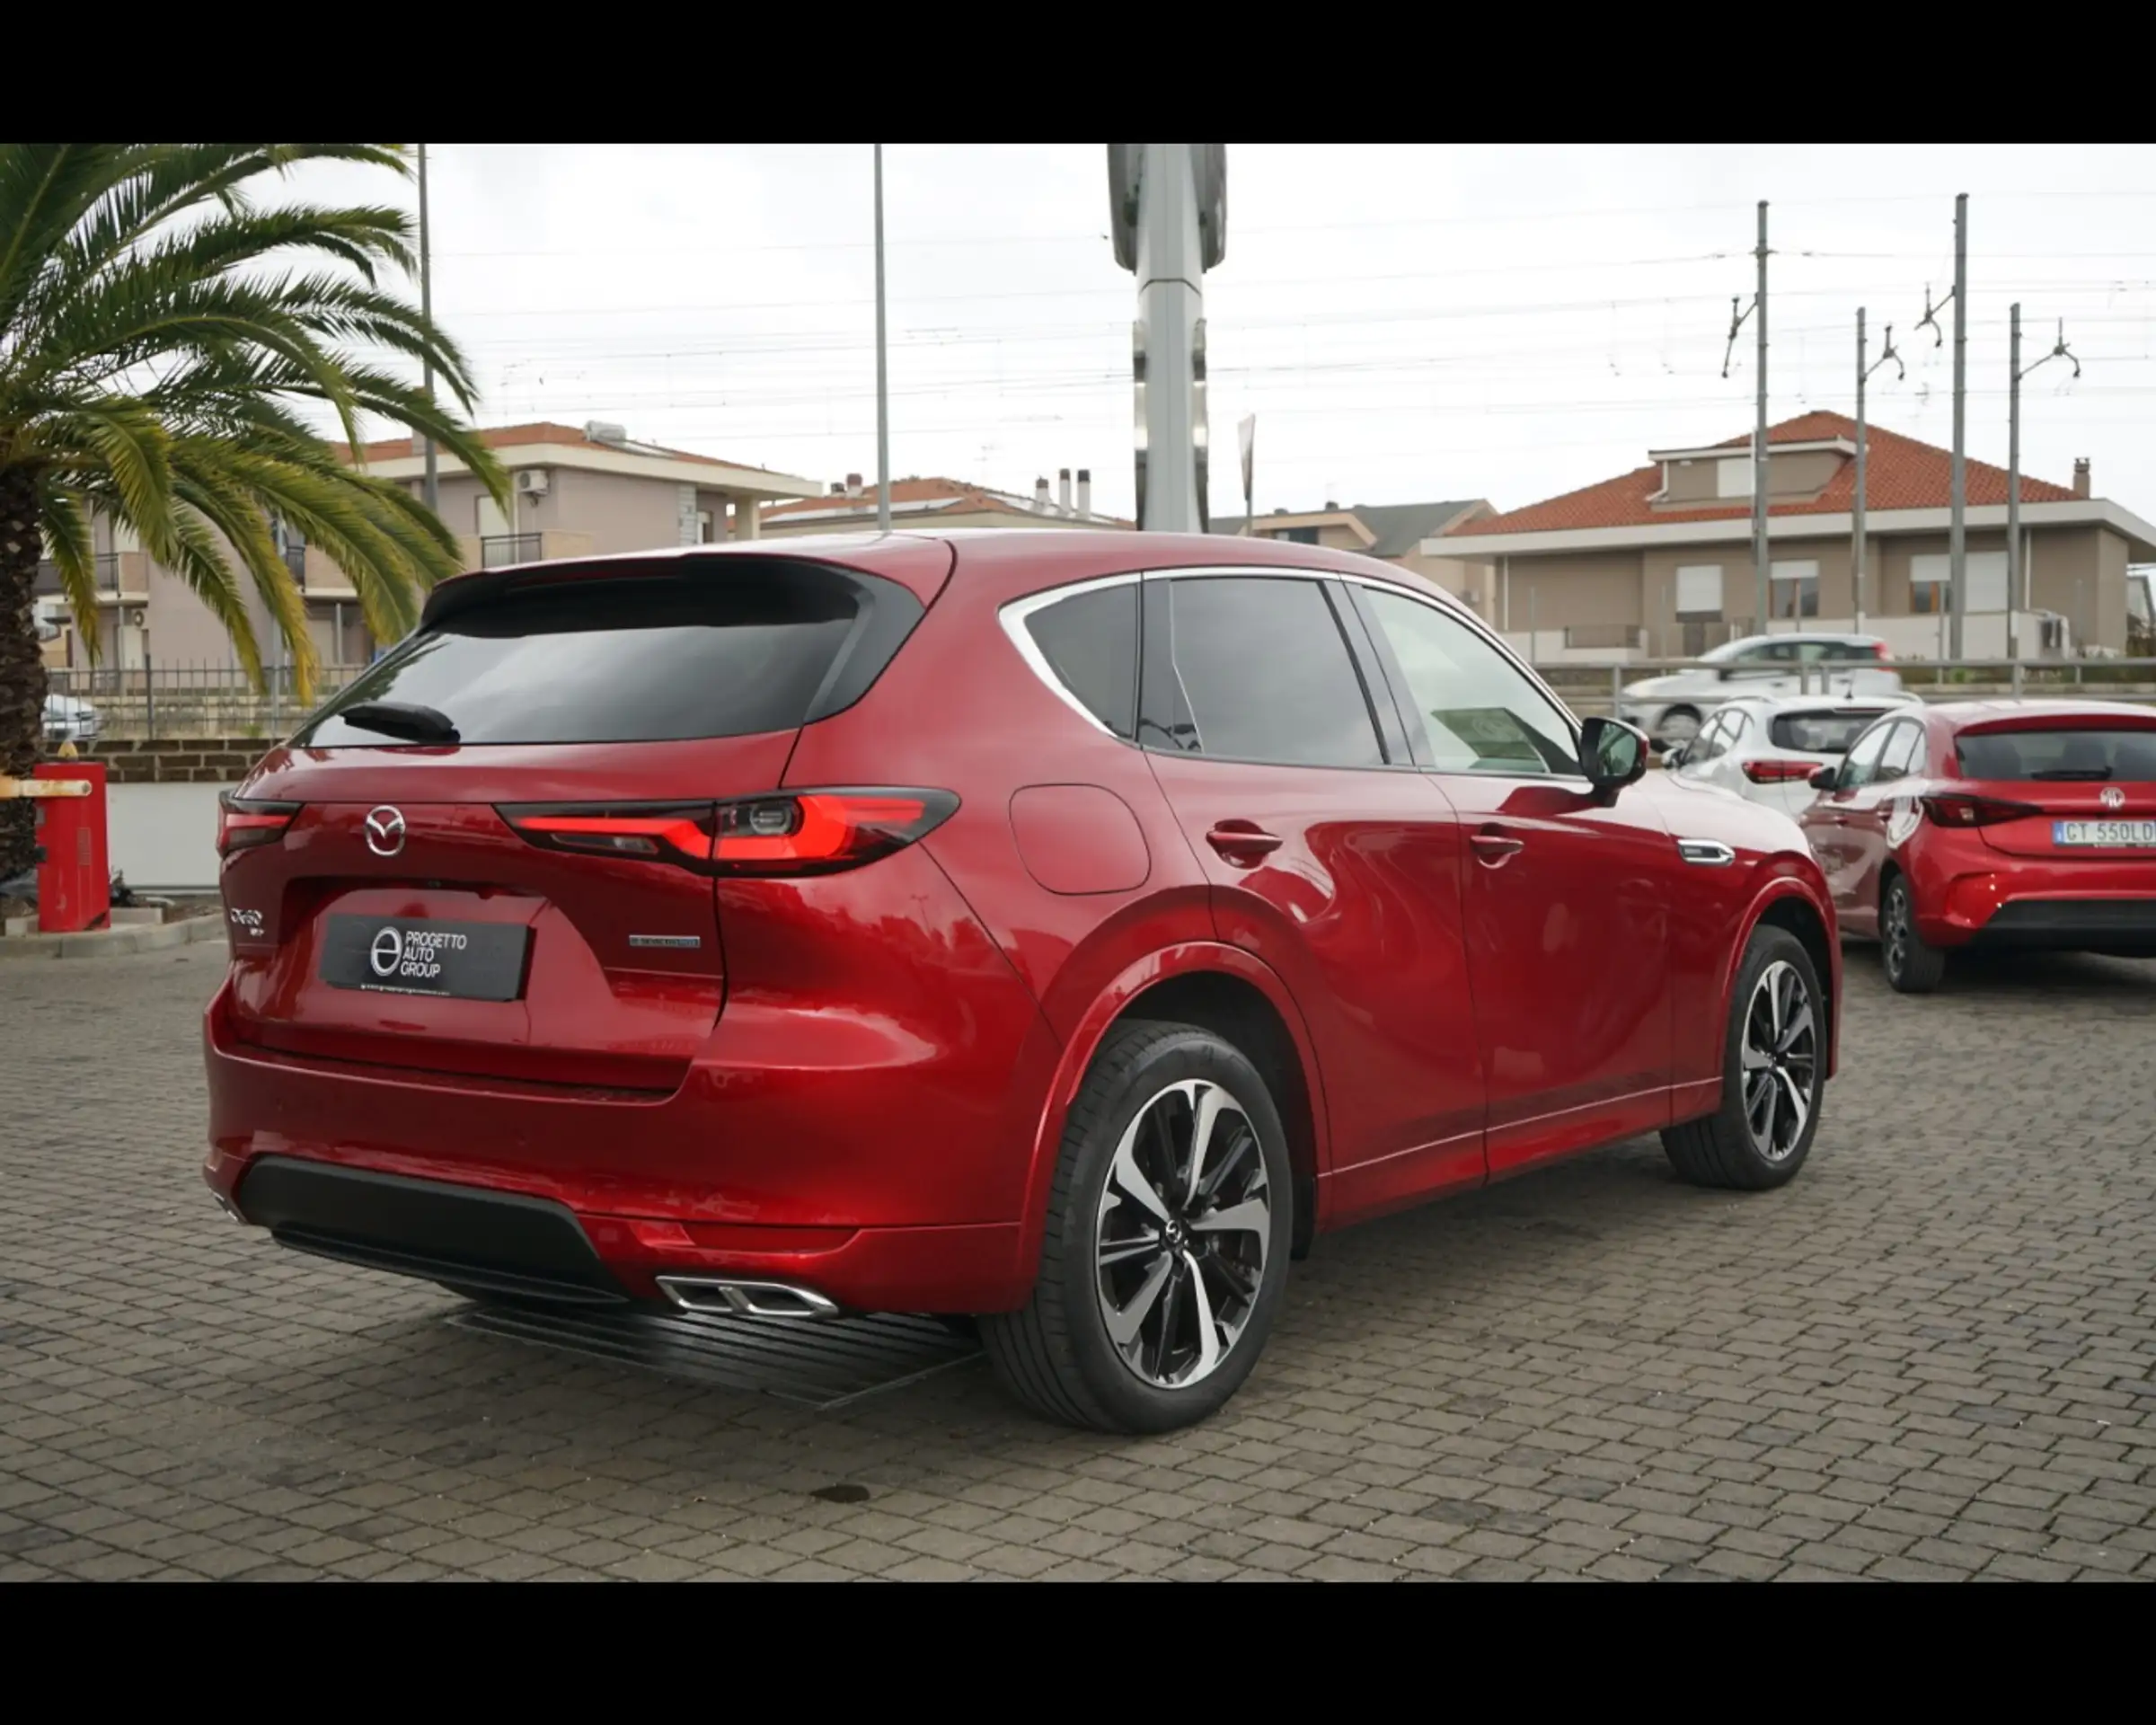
163 837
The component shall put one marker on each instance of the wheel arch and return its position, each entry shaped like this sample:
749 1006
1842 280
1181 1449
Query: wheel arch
1793 910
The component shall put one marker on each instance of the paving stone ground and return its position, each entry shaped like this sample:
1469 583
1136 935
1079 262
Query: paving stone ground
1934 1355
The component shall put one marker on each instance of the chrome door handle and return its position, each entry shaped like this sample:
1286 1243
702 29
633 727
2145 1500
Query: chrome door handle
1242 842
1707 852
1494 849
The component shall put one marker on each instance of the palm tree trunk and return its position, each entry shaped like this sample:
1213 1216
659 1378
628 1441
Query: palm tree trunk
22 666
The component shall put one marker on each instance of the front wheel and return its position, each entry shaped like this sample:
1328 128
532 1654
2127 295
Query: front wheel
1912 966
1774 1074
1167 1242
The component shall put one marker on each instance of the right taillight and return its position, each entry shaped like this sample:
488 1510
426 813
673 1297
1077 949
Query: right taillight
784 833
1975 812
245 822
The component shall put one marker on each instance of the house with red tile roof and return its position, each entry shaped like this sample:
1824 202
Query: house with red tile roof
1658 563
850 507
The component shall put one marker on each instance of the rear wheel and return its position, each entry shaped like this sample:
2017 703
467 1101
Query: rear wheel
1774 1074
1167 1242
1912 966
1678 727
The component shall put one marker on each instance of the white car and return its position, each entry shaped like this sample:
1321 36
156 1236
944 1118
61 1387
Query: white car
70 719
1671 708
1766 748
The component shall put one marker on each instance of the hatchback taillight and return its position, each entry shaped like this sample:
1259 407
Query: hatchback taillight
1975 812
1778 772
245 822
784 833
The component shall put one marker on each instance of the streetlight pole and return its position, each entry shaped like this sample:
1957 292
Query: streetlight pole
2016 575
434 489
883 393
1864 373
1958 557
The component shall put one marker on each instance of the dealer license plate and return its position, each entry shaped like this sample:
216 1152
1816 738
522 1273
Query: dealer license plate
404 955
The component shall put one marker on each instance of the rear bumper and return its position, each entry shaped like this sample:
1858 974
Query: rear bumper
2124 925
882 1173
2036 905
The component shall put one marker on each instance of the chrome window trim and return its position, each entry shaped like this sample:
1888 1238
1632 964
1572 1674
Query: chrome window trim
1013 614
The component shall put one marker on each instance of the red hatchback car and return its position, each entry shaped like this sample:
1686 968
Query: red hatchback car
1994 824
1056 928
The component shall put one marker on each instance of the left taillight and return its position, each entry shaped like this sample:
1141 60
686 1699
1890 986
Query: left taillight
245 822
789 833
1963 811
1780 771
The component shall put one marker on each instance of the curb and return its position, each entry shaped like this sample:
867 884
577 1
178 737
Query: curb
112 942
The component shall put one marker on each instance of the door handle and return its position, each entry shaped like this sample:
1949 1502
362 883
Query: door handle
1242 841
1494 849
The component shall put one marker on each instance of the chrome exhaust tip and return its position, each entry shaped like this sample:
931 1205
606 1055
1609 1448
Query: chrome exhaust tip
744 1299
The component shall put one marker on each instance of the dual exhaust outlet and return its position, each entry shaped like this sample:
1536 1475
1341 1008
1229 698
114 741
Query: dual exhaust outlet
744 1299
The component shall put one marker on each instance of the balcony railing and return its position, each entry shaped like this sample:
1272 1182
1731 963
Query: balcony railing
498 549
104 569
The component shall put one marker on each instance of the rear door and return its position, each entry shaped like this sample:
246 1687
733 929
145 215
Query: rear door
1874 821
492 855
2068 789
1330 858
1827 823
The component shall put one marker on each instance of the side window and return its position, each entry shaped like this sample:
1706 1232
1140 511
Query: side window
1861 764
1469 709
1090 644
1711 743
1899 759
1262 673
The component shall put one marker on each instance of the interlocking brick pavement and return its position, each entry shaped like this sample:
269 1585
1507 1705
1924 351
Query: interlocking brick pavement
1934 1355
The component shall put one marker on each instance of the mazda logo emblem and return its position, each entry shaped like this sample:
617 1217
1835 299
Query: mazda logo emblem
385 831
2113 797
387 952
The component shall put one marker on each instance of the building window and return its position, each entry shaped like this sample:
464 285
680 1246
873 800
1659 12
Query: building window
1794 588
1733 477
1296 535
1698 589
703 527
1931 590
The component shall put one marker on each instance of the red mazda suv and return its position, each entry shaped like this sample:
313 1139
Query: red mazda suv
1990 825
1054 929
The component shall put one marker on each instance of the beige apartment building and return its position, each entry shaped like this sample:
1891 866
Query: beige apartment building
851 507
573 493
1398 533
1656 564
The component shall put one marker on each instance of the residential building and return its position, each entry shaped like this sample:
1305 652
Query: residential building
851 507
1658 563
573 493
1398 533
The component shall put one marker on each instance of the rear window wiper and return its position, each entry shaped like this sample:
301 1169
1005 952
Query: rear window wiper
400 718
2090 772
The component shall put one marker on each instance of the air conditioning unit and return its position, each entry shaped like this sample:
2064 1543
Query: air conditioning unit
531 483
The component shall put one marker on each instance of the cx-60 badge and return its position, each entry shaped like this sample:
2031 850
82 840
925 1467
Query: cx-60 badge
385 831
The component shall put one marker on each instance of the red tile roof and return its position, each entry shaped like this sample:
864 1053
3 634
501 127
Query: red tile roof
505 436
1899 473
948 497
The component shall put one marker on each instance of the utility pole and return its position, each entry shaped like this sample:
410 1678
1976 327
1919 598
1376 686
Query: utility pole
1956 537
2016 575
1863 373
434 489
883 392
1757 308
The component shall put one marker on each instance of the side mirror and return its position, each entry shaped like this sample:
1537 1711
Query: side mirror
1612 752
1826 778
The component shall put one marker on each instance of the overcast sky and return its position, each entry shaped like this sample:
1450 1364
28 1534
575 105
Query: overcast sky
1406 324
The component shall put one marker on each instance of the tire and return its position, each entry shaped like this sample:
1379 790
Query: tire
1912 966
1726 1150
1148 1084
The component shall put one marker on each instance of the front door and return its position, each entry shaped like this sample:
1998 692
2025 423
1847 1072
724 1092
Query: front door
1846 827
1332 859
1568 894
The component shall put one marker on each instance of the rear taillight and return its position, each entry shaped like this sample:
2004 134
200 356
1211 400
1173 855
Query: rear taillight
791 832
1879 651
245 822
1780 771
1975 812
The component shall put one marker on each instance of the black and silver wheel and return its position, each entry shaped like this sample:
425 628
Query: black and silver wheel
1167 1239
1774 1074
1912 966
1678 727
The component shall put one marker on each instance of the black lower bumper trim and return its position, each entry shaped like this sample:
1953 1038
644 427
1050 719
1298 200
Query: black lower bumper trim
2120 925
488 1243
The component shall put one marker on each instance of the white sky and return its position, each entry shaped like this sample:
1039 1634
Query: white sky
1406 324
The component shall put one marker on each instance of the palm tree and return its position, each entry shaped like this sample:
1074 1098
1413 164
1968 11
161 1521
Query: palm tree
160 332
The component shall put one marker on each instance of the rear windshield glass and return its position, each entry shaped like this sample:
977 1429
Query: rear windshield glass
2097 753
622 659
1819 733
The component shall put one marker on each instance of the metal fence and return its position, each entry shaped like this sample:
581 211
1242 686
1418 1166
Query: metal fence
210 700
1598 689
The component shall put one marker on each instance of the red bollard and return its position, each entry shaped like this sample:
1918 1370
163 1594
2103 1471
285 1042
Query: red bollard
75 886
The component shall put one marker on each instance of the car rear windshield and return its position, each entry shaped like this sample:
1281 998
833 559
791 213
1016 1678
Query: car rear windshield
1819 733
615 660
2099 752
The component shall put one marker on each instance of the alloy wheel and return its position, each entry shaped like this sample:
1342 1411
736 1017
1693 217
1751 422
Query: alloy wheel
1181 1235
1897 929
1780 1060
